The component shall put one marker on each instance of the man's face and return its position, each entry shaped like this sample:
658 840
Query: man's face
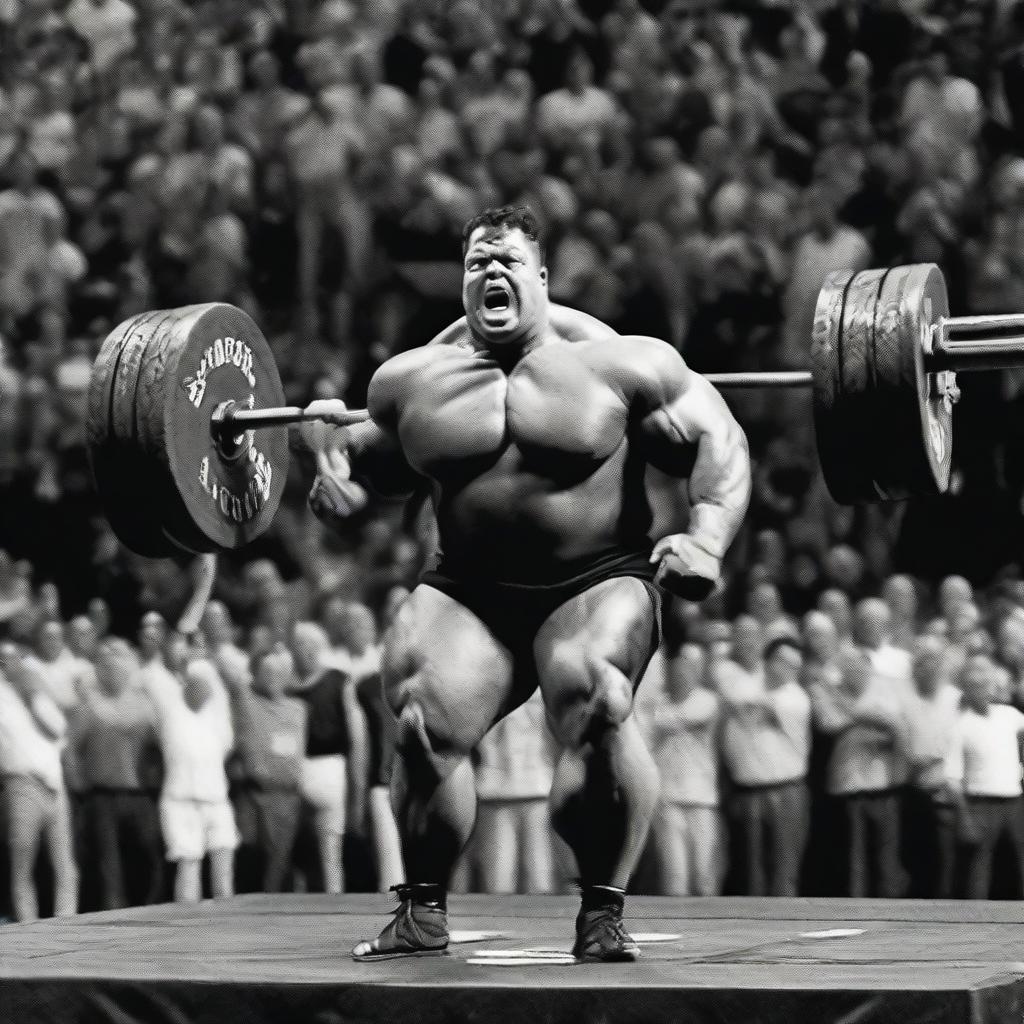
113 670
82 637
274 674
976 681
928 664
51 641
216 623
872 624
504 285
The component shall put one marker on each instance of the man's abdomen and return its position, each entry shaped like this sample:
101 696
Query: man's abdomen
519 527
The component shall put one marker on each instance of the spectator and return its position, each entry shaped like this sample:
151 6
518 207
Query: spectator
381 731
334 772
263 114
587 265
57 669
151 638
900 594
687 828
36 808
953 592
513 780
579 111
106 26
270 732
764 603
99 616
324 149
632 35
825 246
872 630
821 644
219 635
27 212
114 732
82 641
931 725
865 772
766 746
196 736
984 770
15 593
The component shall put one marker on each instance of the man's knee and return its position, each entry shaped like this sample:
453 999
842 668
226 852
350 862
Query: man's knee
586 695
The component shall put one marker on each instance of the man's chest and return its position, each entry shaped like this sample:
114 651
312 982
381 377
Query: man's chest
470 408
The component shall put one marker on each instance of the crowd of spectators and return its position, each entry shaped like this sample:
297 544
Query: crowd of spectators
869 747
699 168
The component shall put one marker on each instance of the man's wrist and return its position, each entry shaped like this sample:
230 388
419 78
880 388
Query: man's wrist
711 529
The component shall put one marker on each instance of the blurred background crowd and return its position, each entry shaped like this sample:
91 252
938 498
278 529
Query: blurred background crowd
699 168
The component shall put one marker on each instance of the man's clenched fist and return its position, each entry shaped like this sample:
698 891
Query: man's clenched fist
334 494
685 568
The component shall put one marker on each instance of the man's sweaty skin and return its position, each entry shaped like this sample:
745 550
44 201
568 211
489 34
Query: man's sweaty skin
534 428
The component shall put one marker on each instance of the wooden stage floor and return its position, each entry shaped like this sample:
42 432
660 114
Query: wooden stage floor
285 960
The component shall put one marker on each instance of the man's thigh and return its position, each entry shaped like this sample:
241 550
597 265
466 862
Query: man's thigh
439 656
613 625
182 827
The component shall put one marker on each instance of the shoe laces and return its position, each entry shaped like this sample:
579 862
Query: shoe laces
611 918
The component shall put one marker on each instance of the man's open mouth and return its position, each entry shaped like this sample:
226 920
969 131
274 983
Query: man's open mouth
497 298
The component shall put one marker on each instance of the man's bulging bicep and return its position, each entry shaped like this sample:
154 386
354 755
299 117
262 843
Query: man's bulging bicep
693 433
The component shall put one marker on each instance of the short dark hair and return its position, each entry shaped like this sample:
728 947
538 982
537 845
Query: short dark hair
510 218
779 642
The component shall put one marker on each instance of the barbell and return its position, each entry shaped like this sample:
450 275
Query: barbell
187 424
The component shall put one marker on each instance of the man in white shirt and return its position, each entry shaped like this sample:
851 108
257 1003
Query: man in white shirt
195 734
36 807
931 723
866 773
872 631
687 829
578 111
57 669
984 768
766 744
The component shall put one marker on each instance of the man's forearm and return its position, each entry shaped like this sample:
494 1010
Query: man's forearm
378 463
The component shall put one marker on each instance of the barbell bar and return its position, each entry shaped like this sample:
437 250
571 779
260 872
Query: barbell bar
189 450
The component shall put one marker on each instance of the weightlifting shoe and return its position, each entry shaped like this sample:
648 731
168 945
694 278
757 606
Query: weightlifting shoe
419 926
600 934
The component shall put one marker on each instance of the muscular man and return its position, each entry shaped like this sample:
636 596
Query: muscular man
535 442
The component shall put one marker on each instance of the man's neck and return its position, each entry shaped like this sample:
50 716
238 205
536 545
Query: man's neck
510 353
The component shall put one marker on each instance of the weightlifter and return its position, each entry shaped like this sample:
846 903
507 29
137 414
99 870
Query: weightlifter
534 426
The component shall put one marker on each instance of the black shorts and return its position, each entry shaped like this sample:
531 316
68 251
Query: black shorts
514 612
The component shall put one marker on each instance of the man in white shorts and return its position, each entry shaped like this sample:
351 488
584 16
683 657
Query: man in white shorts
196 816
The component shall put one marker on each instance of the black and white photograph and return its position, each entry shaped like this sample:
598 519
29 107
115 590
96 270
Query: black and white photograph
511 511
